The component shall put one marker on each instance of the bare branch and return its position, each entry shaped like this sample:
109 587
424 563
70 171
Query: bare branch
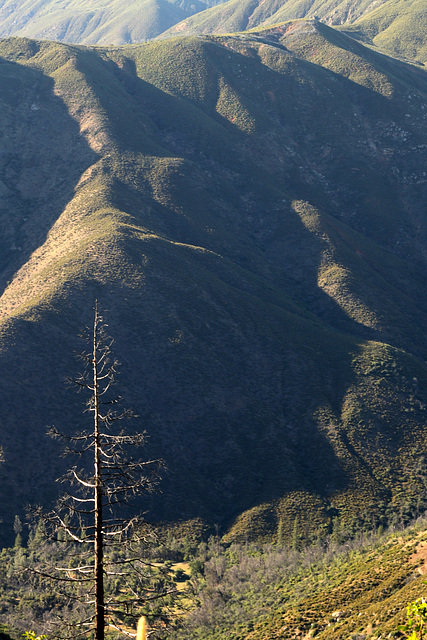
81 481
57 578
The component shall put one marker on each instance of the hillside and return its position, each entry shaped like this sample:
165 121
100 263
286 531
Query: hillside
94 22
249 211
357 587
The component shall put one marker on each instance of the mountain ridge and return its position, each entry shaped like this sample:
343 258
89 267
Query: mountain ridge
382 23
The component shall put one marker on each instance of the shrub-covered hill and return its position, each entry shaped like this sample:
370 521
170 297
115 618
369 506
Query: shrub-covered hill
358 590
346 588
249 211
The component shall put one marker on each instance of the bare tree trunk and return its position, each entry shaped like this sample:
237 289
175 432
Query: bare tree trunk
88 516
99 551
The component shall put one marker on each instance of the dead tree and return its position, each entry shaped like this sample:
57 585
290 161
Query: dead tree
88 511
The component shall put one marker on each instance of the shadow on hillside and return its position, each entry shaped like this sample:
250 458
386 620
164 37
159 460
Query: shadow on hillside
330 165
262 456
42 157
229 354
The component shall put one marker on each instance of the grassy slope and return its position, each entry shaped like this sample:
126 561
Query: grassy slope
266 308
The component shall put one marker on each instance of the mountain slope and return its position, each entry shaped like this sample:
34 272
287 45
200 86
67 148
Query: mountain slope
244 210
95 22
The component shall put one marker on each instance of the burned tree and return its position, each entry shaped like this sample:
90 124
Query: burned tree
88 516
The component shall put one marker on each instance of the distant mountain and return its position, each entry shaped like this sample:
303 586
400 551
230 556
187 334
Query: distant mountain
241 15
399 27
249 210
94 22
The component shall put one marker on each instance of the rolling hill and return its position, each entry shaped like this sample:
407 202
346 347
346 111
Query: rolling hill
249 210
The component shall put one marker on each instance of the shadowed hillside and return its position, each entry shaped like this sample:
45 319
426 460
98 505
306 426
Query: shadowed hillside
248 210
